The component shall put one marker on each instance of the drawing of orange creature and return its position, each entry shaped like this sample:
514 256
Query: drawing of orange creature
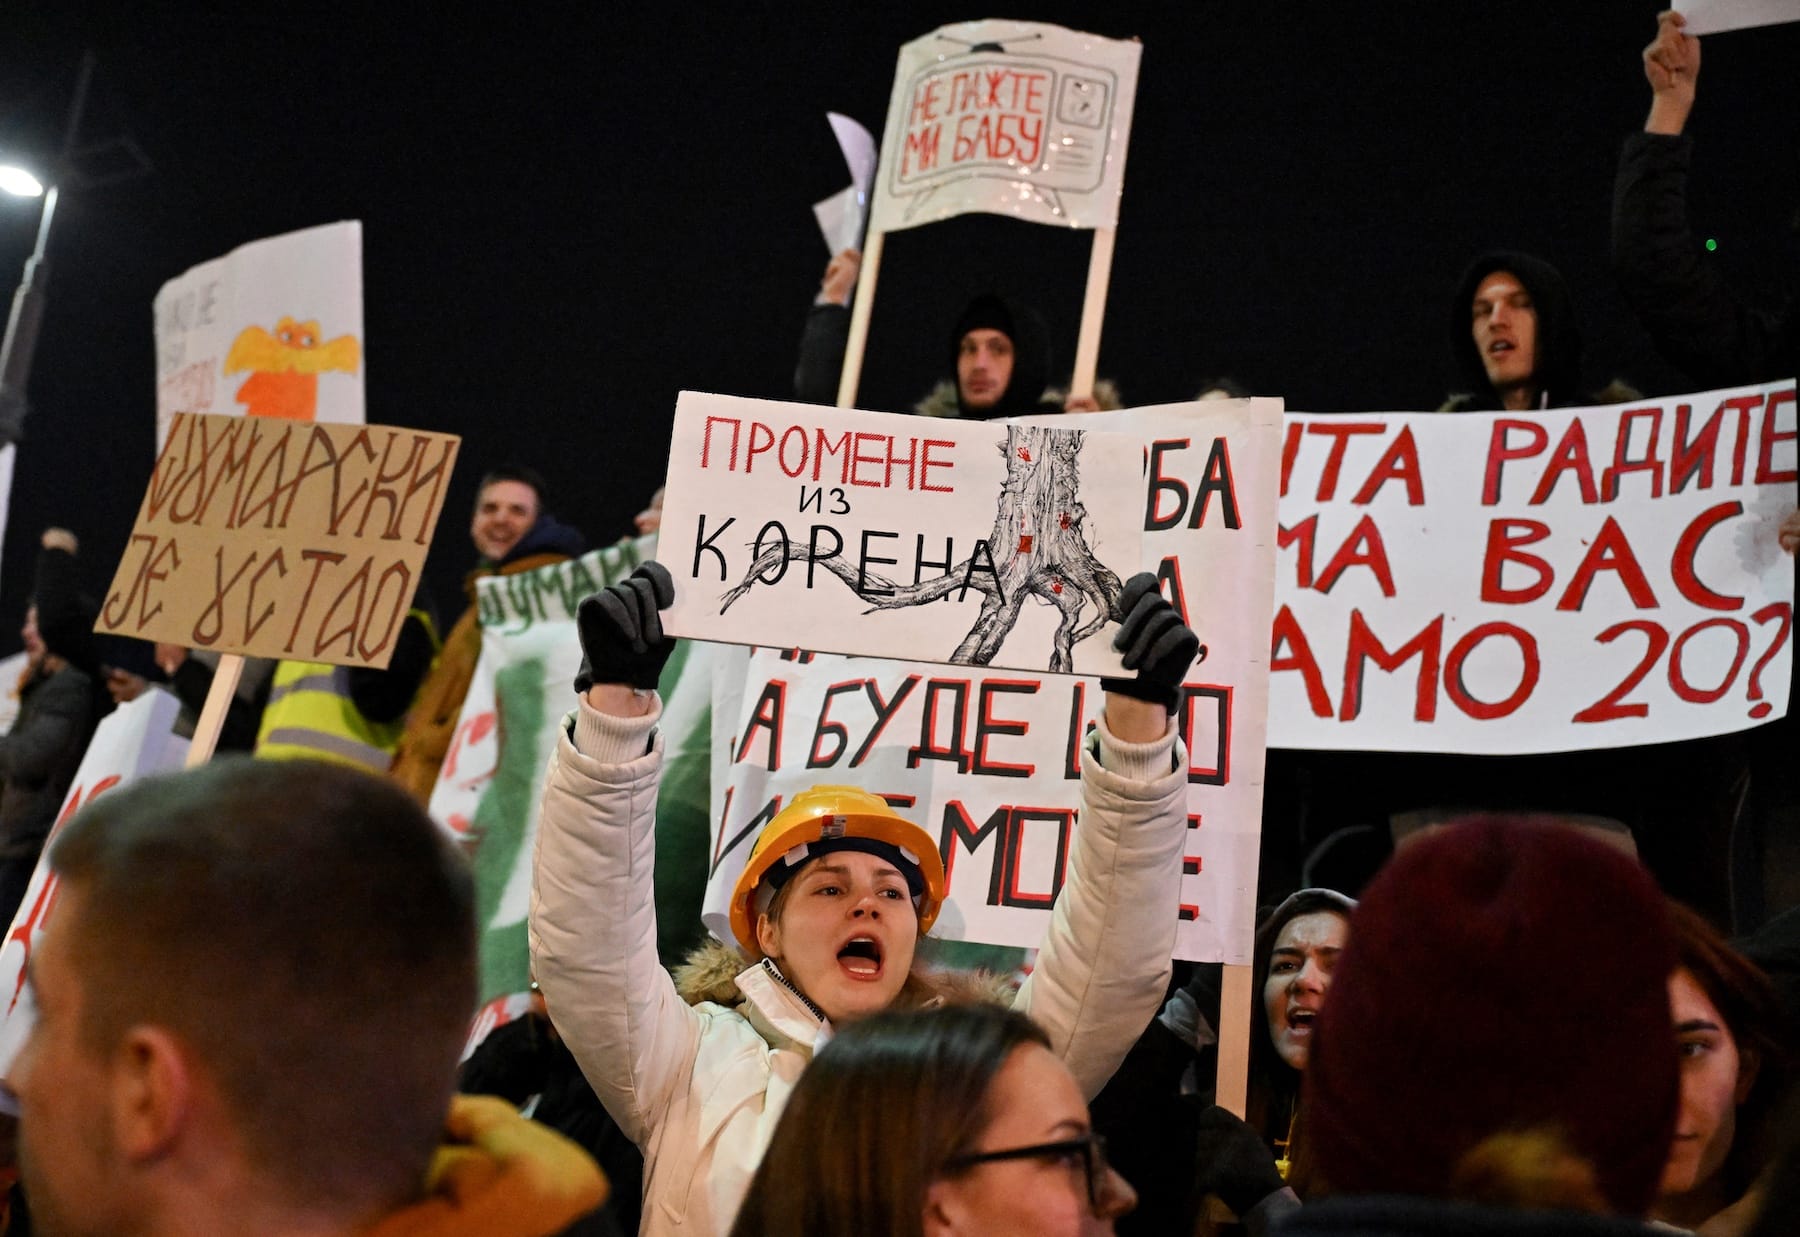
285 367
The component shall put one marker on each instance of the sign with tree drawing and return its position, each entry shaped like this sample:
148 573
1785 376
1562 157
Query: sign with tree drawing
960 542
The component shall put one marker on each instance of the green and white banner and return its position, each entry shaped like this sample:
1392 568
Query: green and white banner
487 793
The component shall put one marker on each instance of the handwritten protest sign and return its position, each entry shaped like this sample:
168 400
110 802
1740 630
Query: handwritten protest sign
1008 118
988 761
135 740
274 328
1548 581
968 542
278 539
493 773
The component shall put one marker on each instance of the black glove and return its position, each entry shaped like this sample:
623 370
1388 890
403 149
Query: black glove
1232 1162
622 638
1156 644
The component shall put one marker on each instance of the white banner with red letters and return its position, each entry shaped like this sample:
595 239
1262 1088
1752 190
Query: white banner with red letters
987 760
1008 118
1533 582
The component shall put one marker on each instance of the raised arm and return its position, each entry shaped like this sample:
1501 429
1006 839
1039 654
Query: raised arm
827 332
1105 958
1693 317
593 911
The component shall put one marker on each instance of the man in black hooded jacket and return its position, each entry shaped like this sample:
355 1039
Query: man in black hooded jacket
999 353
1718 339
1514 339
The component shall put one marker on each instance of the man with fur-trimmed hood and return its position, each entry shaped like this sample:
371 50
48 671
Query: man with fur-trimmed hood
1514 339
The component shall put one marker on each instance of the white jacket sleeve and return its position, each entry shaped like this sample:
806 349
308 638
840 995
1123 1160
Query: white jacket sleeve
1105 959
593 923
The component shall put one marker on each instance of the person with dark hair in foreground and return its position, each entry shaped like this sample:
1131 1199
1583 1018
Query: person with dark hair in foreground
251 996
936 1123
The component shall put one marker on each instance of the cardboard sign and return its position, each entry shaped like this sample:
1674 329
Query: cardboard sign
273 329
281 539
988 762
1008 118
1535 582
135 740
964 542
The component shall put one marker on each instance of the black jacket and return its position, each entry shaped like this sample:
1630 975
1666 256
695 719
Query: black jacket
826 335
1691 315
58 711
40 754
1382 1216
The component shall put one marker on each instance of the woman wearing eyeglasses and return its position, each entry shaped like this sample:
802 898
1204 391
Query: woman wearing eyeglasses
936 1123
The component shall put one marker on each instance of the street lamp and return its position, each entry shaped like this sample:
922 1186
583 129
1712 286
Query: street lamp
27 309
28 302
20 183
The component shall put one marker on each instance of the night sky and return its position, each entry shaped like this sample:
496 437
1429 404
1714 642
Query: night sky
571 215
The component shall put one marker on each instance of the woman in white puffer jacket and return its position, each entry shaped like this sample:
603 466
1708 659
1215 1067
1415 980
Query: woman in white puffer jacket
699 1088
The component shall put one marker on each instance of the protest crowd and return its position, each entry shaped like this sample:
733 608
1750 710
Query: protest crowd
280 992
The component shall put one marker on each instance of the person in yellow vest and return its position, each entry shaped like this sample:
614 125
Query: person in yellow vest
348 714
513 531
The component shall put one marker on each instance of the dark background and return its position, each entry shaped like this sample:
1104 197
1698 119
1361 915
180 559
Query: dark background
573 211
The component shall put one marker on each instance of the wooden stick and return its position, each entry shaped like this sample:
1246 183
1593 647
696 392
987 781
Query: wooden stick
860 312
1093 311
212 717
1233 1086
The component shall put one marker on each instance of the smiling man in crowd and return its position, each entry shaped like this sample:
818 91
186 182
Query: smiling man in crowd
513 531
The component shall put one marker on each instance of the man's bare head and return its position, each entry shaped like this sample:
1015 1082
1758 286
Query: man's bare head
285 946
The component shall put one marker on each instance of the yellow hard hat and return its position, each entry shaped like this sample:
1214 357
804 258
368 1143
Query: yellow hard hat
834 818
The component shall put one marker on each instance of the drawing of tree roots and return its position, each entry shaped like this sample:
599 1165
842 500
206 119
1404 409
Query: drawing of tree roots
1037 549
